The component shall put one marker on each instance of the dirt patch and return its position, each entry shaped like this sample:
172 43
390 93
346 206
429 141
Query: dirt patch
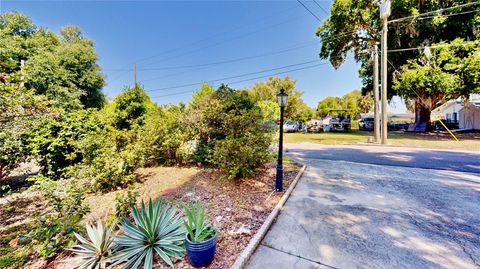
236 208
154 182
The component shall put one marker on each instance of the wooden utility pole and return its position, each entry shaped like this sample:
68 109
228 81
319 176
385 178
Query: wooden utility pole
376 107
135 75
384 14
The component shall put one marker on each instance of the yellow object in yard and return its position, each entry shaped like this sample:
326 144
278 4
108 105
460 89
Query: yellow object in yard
448 129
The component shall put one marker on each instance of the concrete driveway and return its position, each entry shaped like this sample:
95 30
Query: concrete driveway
349 213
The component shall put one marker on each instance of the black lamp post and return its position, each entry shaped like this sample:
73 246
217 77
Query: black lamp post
282 99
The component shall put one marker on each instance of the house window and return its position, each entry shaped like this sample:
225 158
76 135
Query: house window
455 116
448 116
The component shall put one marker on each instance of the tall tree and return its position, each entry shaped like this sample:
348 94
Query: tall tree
327 104
130 107
448 72
63 68
354 26
267 91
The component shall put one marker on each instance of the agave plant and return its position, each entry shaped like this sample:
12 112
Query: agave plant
197 227
157 230
94 252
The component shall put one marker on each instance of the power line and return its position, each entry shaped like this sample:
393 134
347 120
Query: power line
176 74
450 15
201 40
313 14
430 47
244 80
237 76
298 46
227 40
433 12
204 66
326 12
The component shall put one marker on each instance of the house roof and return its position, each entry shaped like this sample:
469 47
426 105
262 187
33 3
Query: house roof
475 105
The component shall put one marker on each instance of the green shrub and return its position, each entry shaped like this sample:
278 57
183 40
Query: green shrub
109 160
240 156
231 132
20 110
130 108
13 257
55 230
124 201
12 151
55 143
164 135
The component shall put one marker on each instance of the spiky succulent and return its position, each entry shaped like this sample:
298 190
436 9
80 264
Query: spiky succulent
196 224
94 252
157 230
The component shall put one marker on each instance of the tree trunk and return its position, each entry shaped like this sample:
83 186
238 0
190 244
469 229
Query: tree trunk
422 116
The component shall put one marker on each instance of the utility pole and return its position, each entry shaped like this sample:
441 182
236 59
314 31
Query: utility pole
384 14
376 114
135 75
22 64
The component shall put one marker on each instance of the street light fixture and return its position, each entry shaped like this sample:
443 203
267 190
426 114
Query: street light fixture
282 99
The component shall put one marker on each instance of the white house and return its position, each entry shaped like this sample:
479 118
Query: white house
469 116
448 111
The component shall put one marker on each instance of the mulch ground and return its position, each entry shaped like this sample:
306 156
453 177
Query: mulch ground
237 209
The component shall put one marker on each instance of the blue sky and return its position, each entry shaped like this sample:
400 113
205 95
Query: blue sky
243 36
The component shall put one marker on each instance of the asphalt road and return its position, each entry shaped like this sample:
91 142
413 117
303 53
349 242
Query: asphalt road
462 161
349 213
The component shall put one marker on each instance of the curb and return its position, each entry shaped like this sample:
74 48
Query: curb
244 257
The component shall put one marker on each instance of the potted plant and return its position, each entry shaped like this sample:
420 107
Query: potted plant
201 237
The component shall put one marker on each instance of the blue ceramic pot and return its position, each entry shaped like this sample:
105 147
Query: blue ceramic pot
202 253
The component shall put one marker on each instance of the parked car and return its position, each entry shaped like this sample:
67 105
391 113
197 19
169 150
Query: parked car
291 126
366 124
314 126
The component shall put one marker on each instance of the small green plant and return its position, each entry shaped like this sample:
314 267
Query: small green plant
54 231
123 203
198 228
156 229
95 251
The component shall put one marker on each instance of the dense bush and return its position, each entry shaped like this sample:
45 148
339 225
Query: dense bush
130 108
55 230
55 143
164 136
111 155
20 110
231 132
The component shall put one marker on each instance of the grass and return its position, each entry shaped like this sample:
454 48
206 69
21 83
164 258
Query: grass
470 141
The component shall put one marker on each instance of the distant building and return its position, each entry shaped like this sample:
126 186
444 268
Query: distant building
450 113
469 116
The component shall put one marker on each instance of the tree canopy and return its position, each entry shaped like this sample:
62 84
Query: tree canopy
266 93
63 68
354 102
448 72
354 26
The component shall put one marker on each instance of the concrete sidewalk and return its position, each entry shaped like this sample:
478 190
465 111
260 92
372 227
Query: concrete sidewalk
353 215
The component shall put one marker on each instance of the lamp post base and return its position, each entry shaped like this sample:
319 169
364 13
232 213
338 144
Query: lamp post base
279 179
